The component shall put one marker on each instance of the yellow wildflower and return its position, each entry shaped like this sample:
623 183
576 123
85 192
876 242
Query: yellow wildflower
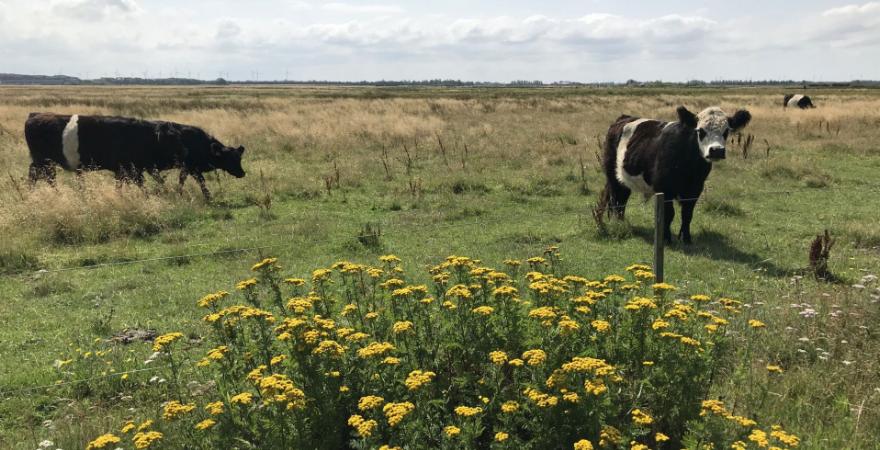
501 436
759 438
370 402
509 407
452 431
498 357
103 441
534 357
245 398
659 324
483 310
663 287
391 361
212 299
660 437
375 349
600 325
268 262
516 362
295 281
700 298
418 378
127 427
214 408
638 303
174 409
205 424
467 411
642 418
246 284
395 412
756 323
402 327
321 275
165 340
774 368
583 444
363 427
145 439
460 291
786 438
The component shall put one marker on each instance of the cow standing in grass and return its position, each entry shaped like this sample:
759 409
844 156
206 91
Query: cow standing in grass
797 101
127 147
651 156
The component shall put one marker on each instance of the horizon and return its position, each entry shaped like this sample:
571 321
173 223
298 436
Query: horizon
598 41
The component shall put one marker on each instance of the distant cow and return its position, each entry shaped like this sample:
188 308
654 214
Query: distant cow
797 100
128 147
675 158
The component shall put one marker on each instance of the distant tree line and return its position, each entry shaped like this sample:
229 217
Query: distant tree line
18 79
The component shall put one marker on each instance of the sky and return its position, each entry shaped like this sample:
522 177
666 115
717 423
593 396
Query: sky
495 40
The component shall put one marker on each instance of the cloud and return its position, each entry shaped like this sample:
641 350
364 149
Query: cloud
362 9
95 10
848 26
337 40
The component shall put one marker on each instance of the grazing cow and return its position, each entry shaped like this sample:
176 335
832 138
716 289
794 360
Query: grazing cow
128 147
797 100
675 158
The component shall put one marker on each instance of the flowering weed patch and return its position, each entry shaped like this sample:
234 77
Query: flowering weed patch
526 357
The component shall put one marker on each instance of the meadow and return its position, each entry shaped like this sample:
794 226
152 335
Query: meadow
352 174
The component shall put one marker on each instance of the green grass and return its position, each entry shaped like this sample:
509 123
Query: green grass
517 190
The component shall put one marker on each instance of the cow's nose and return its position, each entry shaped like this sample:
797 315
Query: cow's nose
717 153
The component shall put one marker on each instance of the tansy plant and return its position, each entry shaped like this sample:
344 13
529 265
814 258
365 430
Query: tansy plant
519 357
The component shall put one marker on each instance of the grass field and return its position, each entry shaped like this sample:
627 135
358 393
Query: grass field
353 173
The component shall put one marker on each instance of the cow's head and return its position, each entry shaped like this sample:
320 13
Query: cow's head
712 127
227 158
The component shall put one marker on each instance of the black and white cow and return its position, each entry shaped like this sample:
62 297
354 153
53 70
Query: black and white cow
651 156
128 147
797 101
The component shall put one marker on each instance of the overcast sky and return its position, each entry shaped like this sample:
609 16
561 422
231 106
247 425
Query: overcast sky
500 40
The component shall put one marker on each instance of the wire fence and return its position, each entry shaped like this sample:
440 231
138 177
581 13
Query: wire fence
386 227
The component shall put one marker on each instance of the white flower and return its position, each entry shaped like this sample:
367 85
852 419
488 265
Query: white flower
46 444
846 363
804 339
858 286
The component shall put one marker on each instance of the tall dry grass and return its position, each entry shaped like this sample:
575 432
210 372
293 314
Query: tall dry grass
90 211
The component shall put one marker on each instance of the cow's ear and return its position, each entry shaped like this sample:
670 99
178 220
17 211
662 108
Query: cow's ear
739 120
686 117
241 149
216 149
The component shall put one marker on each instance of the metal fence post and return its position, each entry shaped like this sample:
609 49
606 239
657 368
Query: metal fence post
659 238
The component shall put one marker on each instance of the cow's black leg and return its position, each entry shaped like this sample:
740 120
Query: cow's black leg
156 175
687 213
618 197
38 171
668 215
200 178
138 178
35 172
181 180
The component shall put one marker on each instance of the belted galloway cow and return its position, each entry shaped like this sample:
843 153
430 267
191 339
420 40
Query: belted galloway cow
651 156
127 147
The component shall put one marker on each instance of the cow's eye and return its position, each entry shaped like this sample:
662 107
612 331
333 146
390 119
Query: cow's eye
726 133
701 133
